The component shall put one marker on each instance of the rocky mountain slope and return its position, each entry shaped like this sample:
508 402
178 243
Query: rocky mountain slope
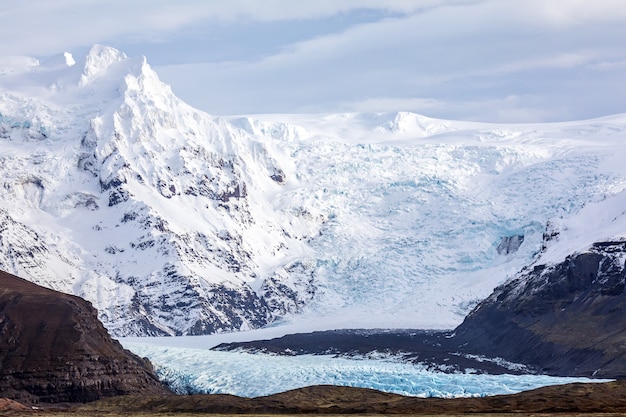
53 349
118 192
563 314
562 319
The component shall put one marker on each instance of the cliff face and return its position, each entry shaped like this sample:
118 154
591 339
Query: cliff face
565 319
54 349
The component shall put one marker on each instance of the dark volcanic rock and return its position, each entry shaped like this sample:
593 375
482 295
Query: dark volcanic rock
54 349
565 319
435 350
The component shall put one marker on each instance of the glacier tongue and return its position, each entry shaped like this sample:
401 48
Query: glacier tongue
171 221
199 371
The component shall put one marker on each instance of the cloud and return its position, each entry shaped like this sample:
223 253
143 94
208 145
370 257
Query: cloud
47 27
608 65
450 42
479 55
248 56
569 13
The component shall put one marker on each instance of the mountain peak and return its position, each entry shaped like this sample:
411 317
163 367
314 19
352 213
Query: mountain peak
98 60
114 71
101 57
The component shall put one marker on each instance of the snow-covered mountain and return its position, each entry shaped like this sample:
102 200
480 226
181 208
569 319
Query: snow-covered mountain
115 190
172 221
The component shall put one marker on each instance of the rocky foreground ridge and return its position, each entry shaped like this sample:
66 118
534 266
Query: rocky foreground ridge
53 349
582 398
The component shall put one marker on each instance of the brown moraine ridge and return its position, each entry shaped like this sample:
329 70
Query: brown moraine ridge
573 398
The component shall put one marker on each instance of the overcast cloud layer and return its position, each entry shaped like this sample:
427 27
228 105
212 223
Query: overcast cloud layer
490 60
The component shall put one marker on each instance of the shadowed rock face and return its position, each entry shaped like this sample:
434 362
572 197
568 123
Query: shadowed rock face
54 349
565 319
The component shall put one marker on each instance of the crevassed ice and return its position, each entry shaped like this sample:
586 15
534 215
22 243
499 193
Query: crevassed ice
414 227
190 371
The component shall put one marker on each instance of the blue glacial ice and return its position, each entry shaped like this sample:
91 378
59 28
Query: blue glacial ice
190 371
414 227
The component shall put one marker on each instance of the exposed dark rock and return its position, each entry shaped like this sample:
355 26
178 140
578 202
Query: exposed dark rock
282 298
279 176
118 196
166 189
53 349
237 306
509 244
565 319
237 192
551 233
111 183
434 350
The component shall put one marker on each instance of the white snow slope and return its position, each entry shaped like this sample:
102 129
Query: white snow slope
171 221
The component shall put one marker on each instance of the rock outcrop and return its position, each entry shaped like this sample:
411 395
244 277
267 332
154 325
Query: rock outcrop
53 349
562 319
510 244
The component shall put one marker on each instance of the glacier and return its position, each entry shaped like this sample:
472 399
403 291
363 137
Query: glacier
418 207
175 222
202 371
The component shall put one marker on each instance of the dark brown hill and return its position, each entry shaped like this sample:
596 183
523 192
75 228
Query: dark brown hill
573 398
54 349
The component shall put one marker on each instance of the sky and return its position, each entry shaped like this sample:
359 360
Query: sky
483 60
